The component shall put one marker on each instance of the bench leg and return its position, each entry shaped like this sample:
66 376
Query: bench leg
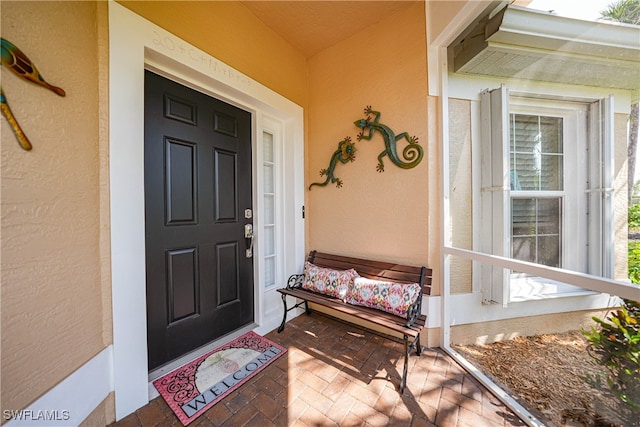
284 317
407 349
403 383
288 309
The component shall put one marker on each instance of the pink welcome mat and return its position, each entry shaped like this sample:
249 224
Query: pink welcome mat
195 387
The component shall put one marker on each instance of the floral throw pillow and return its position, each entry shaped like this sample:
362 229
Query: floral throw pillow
395 298
335 283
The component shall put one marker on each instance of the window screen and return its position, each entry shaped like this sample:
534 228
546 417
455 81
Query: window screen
536 153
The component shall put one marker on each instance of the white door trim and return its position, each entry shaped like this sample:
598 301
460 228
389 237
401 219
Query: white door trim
135 43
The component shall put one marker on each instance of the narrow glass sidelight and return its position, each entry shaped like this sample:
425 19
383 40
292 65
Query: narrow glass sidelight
270 198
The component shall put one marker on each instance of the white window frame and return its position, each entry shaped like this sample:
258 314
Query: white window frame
573 192
274 128
588 244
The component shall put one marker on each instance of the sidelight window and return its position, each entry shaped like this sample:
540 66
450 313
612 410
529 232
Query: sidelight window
269 208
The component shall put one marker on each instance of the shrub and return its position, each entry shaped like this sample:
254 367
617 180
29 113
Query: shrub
634 261
616 347
634 216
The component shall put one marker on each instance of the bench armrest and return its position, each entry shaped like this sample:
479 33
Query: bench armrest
414 311
295 281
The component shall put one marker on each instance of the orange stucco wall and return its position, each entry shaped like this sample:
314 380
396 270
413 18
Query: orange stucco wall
56 312
230 32
375 215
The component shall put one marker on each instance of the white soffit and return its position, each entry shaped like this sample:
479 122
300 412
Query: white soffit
528 44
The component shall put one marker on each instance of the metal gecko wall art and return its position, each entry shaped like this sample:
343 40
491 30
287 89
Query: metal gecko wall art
20 64
346 152
412 153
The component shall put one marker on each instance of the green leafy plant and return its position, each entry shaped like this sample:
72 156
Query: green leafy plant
634 261
634 216
615 344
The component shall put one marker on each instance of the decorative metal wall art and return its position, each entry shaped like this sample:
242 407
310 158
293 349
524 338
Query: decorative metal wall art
411 154
19 63
346 152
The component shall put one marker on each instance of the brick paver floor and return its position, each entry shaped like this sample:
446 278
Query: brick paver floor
336 374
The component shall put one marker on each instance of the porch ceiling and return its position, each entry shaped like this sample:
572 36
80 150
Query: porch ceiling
312 26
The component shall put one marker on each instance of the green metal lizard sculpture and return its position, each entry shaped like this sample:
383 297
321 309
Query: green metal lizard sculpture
346 152
412 154
20 64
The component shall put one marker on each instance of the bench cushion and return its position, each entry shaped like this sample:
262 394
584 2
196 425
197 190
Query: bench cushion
392 297
378 317
335 283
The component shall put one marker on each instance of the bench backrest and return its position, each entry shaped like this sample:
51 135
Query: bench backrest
377 270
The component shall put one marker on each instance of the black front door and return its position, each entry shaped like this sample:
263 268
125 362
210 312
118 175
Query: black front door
197 154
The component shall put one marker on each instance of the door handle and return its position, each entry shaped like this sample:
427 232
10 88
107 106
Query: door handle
248 234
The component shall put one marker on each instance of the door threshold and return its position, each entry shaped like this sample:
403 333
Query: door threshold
157 373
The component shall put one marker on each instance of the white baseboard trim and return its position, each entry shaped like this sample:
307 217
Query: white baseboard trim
71 401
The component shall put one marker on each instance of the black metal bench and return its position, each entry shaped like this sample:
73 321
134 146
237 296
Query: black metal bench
409 327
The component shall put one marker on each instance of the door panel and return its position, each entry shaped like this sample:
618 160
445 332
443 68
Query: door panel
225 177
180 173
227 256
197 181
182 267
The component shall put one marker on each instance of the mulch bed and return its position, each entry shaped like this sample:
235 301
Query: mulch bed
544 373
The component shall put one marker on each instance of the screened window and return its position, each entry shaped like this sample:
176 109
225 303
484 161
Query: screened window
546 174
536 161
536 230
536 154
